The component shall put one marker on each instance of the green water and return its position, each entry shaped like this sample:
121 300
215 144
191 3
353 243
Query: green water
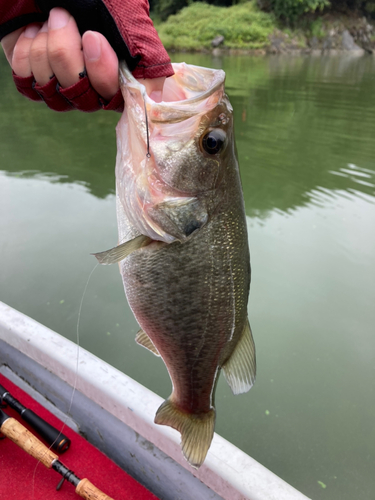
305 131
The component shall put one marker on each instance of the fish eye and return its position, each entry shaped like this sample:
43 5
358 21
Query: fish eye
213 141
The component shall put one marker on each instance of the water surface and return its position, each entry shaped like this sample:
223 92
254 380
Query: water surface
305 131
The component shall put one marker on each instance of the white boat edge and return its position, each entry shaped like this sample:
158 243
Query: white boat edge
227 471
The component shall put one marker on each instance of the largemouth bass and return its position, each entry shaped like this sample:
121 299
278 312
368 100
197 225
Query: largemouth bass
183 247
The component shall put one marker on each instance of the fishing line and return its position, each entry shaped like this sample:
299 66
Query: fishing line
147 132
78 346
78 323
76 371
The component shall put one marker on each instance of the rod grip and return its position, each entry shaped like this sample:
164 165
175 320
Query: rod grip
17 433
87 490
52 436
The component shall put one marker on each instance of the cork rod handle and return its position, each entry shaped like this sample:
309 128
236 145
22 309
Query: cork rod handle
28 442
87 490
17 433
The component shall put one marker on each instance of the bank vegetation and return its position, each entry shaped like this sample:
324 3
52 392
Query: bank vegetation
266 25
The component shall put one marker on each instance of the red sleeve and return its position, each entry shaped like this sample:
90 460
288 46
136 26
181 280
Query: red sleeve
125 23
141 38
15 14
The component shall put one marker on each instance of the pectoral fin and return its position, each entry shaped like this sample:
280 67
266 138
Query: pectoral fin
121 251
239 370
143 339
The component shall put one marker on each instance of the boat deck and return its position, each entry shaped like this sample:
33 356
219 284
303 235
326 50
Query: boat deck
26 478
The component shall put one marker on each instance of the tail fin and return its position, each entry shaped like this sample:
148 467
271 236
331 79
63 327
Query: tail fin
196 430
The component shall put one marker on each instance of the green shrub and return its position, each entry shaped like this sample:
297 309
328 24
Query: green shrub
316 28
195 26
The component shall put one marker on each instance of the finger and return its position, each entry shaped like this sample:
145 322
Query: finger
101 64
8 42
21 52
39 63
154 87
64 47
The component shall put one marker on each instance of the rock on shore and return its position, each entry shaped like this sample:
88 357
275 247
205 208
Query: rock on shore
344 34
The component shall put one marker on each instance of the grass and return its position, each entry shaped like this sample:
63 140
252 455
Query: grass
243 26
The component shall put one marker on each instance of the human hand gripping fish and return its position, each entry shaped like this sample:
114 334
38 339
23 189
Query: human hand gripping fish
183 247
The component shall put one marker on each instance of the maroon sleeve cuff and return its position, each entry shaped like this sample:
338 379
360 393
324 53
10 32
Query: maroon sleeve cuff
79 96
25 87
115 104
50 95
153 71
15 14
134 23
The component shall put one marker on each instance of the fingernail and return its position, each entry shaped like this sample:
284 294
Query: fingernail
44 28
58 18
92 48
31 31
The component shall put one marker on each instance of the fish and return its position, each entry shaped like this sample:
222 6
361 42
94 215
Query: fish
183 245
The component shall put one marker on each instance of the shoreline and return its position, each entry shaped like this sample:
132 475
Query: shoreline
218 52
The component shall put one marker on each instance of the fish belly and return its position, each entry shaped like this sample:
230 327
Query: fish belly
186 298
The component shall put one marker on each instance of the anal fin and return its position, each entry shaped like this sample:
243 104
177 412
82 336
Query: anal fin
144 340
119 253
240 369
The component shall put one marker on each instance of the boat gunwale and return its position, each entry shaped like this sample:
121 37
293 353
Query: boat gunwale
228 471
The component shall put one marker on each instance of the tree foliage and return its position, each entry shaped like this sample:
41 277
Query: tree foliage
164 8
291 10
366 7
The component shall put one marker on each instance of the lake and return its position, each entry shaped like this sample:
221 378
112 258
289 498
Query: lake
305 130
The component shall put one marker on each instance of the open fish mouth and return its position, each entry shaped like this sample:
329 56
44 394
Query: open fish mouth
190 91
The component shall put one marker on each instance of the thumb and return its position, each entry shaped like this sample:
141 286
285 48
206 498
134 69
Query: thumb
154 87
101 64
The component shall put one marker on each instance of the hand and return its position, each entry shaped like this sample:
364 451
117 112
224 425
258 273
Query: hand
56 48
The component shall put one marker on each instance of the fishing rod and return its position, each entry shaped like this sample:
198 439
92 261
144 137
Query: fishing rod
17 433
56 439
